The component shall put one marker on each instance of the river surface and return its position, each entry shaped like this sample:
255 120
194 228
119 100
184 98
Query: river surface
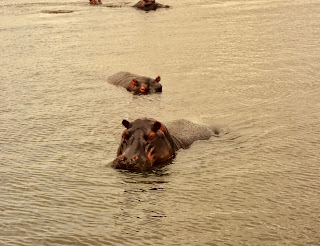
250 68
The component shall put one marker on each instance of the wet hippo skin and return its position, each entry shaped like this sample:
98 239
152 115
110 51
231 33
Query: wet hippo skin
148 5
146 142
137 85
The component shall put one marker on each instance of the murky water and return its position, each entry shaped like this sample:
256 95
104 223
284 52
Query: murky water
249 67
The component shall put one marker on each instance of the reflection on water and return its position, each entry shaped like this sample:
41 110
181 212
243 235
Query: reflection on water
249 69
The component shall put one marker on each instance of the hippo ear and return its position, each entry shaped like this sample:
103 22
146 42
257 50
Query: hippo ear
126 124
158 79
134 82
156 126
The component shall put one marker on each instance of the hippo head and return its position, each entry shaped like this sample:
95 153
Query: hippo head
143 143
144 86
95 2
148 5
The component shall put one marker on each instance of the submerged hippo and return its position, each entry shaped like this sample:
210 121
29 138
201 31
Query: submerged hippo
138 85
146 142
148 5
95 2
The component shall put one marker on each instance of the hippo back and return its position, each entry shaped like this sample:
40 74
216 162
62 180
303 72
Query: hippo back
121 78
185 132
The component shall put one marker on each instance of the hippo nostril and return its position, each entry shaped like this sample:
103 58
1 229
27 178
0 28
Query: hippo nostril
122 159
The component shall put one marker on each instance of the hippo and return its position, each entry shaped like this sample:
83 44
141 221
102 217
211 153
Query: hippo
148 5
137 85
57 11
147 142
95 2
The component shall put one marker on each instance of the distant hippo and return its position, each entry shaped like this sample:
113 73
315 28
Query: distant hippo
138 85
148 5
95 2
146 142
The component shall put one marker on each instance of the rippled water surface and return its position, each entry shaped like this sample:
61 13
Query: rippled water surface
250 68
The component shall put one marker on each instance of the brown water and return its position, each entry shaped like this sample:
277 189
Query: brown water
249 67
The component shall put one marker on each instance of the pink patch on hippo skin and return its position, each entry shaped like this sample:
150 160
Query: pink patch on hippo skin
161 129
134 83
151 157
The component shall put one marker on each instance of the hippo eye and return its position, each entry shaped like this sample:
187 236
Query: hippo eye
125 136
143 89
151 135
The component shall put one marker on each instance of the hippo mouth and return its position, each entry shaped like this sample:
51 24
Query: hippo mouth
135 163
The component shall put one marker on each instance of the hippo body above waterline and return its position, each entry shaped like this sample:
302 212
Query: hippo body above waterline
138 85
95 2
147 142
148 5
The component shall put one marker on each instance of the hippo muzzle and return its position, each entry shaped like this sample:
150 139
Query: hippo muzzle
135 163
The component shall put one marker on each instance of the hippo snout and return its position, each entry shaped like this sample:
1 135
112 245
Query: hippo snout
135 163
159 89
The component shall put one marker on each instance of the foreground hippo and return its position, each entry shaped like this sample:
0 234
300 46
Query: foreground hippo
146 142
148 5
138 85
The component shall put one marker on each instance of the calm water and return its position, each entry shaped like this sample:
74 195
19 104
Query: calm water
249 67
